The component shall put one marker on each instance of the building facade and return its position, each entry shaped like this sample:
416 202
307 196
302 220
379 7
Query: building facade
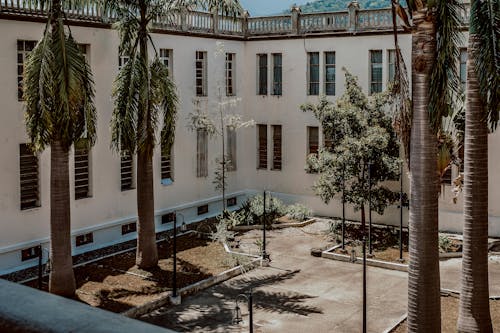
267 67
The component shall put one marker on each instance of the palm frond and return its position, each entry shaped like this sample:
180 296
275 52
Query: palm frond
485 24
445 83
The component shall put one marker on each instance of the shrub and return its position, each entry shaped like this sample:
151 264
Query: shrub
298 212
444 244
253 209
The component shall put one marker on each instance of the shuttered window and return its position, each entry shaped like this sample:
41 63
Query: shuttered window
24 47
129 228
276 147
277 74
375 71
230 67
262 146
167 165
167 218
202 209
330 72
29 177
166 59
84 239
201 153
122 60
312 140
201 73
126 170
262 74
231 149
30 253
391 54
82 169
313 73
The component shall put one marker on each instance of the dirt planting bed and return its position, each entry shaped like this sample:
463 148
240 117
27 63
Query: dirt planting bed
117 284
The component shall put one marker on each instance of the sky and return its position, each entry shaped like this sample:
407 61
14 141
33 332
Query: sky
269 7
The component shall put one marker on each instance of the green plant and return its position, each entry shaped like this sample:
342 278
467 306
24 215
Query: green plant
297 212
444 244
253 209
335 230
232 219
221 233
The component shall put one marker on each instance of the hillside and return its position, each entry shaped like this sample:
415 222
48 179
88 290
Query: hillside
336 5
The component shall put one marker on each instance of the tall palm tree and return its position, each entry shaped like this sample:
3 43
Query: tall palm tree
482 109
434 28
142 91
58 95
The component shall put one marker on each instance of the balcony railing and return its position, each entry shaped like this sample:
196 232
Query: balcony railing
352 20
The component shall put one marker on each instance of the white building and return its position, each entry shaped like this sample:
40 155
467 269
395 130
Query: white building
277 63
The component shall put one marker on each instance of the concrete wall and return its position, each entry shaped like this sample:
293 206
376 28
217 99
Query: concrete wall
109 207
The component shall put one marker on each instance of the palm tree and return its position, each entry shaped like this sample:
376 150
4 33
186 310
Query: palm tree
482 108
142 91
58 96
434 46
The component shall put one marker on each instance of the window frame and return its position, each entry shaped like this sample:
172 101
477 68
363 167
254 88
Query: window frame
201 77
277 85
262 161
328 65
27 184
167 165
277 151
201 153
376 66
22 55
262 75
127 160
230 72
313 68
231 144
84 158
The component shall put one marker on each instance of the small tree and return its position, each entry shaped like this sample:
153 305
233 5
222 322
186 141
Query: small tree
363 146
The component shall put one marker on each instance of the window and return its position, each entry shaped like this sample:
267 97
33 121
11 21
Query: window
167 164
202 209
122 60
201 153
24 47
262 74
84 239
330 71
230 62
82 169
31 253
313 73
129 228
262 147
232 202
201 73
84 49
276 147
126 170
167 218
29 177
463 68
375 71
231 149
391 68
277 75
166 59
312 140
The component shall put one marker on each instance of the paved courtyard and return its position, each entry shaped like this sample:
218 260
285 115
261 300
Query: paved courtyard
297 293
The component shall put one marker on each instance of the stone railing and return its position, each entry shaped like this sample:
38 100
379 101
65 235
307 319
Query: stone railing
353 20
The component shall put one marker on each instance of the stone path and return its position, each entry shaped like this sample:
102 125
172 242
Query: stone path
297 293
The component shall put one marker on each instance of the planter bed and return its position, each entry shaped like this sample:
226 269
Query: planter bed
117 285
279 224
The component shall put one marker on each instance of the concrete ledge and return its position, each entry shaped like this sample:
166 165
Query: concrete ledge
449 255
399 321
369 262
164 298
274 225
25 309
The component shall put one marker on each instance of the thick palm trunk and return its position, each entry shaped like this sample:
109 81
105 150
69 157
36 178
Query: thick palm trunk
147 253
474 311
62 278
424 310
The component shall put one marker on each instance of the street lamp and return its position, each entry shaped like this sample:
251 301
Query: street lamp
174 298
265 256
237 311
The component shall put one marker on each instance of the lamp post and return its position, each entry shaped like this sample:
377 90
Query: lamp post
401 212
343 208
237 311
370 209
265 256
40 271
176 299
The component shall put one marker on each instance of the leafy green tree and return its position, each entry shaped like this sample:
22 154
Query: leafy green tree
482 111
362 141
143 95
58 96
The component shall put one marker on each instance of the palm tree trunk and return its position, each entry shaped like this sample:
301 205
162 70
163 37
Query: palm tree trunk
424 310
62 278
474 310
147 253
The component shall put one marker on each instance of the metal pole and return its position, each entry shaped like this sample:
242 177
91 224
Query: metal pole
174 276
40 255
343 208
364 284
370 208
264 218
250 311
401 213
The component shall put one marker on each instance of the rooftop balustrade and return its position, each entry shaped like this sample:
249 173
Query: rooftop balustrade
352 20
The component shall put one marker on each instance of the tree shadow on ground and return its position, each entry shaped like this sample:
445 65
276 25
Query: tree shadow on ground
215 311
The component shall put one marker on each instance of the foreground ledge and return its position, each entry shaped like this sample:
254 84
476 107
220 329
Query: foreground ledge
24 309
